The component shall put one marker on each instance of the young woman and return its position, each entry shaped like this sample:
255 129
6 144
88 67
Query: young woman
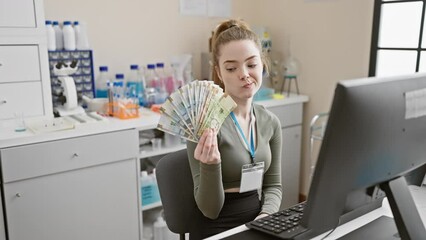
232 166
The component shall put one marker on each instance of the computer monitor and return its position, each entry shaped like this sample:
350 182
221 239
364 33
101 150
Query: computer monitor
375 136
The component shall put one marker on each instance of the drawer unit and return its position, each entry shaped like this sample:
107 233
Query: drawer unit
11 99
38 159
289 115
17 14
19 63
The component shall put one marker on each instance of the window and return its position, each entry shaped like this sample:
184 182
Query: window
398 44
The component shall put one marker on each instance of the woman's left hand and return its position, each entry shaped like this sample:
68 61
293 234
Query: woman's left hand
207 150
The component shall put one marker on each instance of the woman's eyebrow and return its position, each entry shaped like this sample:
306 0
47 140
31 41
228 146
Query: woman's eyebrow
234 61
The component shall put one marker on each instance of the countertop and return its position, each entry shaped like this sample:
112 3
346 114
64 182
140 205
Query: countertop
147 120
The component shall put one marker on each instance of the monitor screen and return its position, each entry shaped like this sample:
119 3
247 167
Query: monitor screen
375 136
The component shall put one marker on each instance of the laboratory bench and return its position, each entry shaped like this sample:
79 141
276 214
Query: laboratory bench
84 183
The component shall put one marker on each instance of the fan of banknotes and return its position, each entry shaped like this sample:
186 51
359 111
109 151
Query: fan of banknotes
194 107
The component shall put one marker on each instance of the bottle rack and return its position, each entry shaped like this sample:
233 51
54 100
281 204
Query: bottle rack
83 78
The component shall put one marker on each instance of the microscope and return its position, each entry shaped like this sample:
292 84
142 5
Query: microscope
68 99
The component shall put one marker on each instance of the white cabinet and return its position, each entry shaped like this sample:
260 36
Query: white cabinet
23 59
12 100
17 13
19 63
290 166
77 188
291 116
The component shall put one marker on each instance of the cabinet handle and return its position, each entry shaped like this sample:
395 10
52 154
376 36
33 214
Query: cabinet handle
1 64
3 101
18 195
75 155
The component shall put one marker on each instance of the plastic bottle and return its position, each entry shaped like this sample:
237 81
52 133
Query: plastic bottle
102 82
51 41
169 81
69 36
119 87
146 188
177 75
151 76
160 86
155 192
161 77
59 37
135 85
77 32
160 229
81 40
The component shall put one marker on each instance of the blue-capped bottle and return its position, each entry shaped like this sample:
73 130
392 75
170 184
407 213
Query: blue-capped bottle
59 37
51 41
151 76
69 36
101 83
118 87
135 86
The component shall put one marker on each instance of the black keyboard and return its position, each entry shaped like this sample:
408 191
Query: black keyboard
283 224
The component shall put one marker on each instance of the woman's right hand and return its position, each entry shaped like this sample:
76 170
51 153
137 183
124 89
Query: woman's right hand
207 150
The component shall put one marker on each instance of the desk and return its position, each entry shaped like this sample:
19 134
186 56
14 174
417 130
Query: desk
419 196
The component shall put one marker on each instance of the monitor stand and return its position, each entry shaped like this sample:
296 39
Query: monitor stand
407 218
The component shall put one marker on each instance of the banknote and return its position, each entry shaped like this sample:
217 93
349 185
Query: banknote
218 114
193 108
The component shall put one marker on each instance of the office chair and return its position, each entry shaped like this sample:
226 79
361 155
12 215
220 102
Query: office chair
176 189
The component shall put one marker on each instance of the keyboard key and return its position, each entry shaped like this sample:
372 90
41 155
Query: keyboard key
269 228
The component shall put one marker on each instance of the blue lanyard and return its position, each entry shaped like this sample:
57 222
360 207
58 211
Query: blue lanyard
251 146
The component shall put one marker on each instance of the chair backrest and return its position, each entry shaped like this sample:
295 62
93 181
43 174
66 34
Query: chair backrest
176 189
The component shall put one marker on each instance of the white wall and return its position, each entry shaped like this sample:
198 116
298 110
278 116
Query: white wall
139 31
331 38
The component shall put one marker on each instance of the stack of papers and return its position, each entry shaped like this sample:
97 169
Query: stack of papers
193 108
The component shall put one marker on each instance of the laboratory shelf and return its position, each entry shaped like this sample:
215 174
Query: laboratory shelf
147 151
152 206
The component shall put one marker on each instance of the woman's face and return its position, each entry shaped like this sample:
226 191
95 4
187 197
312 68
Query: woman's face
240 68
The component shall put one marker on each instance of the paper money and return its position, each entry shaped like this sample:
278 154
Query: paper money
193 108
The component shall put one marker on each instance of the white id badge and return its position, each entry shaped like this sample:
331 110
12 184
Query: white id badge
252 176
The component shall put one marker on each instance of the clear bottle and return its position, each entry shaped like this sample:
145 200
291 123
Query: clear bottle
119 86
160 86
101 83
69 36
51 41
169 80
161 73
160 229
59 37
177 75
136 84
151 76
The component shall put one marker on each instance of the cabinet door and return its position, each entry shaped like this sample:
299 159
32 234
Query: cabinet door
21 97
99 202
19 63
290 166
17 13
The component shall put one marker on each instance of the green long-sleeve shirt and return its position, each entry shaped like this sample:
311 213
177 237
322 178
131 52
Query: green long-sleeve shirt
210 180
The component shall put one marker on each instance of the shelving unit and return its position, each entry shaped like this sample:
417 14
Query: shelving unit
146 151
152 206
